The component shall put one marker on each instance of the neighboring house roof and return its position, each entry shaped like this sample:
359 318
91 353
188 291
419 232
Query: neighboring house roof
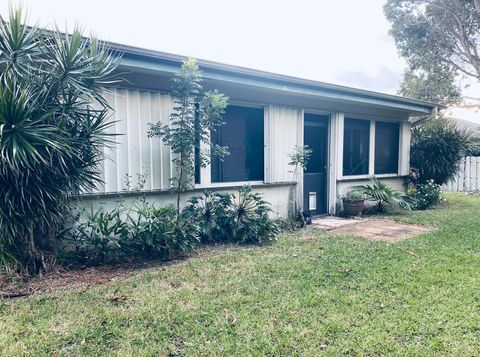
139 58
467 116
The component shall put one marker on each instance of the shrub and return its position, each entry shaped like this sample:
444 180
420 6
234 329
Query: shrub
147 232
251 223
99 236
52 123
155 233
437 149
110 236
212 212
425 195
222 217
383 194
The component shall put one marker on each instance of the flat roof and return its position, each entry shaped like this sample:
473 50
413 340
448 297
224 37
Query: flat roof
137 57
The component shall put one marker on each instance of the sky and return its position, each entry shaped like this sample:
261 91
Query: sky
342 41
337 41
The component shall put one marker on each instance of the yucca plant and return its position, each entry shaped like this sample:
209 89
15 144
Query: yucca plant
52 132
437 150
384 195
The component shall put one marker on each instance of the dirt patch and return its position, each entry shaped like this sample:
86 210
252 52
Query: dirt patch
374 229
61 279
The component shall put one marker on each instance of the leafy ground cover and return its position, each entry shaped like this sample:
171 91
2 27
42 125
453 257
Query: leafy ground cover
307 294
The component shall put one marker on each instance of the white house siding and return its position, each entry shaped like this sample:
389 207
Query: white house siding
276 194
133 152
136 154
283 131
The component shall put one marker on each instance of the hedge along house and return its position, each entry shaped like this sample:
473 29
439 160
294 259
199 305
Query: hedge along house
353 133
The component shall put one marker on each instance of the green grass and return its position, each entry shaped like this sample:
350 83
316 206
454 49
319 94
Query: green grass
295 297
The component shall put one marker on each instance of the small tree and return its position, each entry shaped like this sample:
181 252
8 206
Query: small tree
52 122
299 157
195 115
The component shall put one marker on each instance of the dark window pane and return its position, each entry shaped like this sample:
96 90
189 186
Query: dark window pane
243 135
356 143
386 148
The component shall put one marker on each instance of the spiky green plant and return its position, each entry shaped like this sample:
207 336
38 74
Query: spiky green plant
384 195
437 149
52 132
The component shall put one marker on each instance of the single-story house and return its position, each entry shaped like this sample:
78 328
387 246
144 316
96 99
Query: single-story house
353 133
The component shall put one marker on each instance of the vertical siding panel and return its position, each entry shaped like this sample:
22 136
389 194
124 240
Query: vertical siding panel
122 152
111 149
132 152
155 144
281 126
167 170
143 120
134 156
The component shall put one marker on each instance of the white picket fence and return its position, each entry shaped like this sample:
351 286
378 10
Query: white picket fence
468 178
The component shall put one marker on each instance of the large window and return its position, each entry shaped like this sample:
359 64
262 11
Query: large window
386 148
356 144
243 135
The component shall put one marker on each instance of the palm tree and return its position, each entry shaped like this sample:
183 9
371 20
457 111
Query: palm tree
52 132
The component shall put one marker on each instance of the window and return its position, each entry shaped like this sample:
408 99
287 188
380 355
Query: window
356 145
386 148
243 135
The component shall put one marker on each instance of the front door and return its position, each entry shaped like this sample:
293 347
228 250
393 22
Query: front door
315 175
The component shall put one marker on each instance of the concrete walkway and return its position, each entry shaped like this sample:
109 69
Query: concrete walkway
370 228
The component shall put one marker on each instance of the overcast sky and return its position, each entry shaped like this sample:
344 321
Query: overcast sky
339 41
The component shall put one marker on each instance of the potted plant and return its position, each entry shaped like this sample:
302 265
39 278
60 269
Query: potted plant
383 195
353 203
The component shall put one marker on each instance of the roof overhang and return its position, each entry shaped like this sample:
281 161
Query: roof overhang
136 59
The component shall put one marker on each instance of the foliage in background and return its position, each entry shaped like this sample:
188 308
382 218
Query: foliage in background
425 195
437 149
430 86
384 195
437 36
52 132
195 115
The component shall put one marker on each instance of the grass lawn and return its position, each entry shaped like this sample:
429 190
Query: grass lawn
306 294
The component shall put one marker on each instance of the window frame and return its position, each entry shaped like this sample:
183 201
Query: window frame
369 163
397 126
371 167
210 182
